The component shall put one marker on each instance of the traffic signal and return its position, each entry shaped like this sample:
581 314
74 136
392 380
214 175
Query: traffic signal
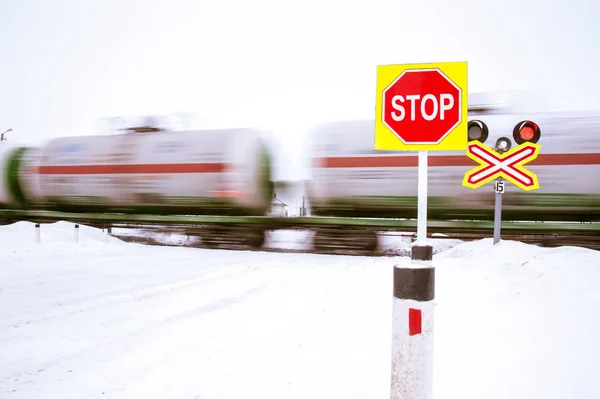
477 130
526 131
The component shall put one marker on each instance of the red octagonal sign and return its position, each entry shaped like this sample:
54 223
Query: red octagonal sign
422 106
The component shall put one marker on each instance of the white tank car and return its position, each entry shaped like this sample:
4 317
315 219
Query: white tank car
350 178
210 171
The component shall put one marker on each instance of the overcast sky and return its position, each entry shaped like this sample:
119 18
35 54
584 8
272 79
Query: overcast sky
278 64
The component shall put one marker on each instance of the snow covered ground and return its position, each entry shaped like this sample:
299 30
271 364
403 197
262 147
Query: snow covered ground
97 319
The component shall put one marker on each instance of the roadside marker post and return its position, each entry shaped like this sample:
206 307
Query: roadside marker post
412 335
38 234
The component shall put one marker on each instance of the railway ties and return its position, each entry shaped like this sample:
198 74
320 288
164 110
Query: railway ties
335 239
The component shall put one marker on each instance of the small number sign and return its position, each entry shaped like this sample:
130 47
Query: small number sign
499 187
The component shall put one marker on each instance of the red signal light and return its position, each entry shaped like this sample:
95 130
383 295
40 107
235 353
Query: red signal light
526 131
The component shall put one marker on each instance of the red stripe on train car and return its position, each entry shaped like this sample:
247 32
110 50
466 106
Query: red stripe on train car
448 160
132 168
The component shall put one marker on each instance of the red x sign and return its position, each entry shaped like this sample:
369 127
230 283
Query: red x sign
508 165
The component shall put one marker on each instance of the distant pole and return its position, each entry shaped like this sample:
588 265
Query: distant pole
2 135
412 326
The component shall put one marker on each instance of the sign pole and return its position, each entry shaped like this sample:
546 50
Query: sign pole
502 161
499 187
422 198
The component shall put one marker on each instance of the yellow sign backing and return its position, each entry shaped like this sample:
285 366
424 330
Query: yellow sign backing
421 107
509 165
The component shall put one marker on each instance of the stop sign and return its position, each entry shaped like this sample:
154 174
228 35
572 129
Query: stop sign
422 106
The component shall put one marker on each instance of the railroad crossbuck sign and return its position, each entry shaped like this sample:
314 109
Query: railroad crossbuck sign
508 165
421 107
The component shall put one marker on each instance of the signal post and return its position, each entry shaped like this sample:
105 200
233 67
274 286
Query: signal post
419 107
502 162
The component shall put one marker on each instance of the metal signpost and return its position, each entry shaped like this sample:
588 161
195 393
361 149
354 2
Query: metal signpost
499 188
503 162
419 107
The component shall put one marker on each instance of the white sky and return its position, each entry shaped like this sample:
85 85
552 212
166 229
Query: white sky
282 65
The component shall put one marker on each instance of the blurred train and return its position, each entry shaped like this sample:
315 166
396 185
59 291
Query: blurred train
350 178
229 171
148 171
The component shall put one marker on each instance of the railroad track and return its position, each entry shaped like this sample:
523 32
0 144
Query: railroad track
536 238
333 234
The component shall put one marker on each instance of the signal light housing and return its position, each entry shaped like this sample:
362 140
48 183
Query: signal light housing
503 144
527 131
477 130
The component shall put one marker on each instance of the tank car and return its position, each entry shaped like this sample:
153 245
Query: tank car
350 178
215 172
9 188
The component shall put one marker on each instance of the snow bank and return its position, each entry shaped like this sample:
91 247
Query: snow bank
516 321
55 238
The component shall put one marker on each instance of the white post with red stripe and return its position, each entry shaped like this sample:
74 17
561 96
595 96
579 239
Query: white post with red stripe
412 328
38 237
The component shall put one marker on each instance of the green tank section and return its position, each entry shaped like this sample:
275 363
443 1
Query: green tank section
13 165
266 177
